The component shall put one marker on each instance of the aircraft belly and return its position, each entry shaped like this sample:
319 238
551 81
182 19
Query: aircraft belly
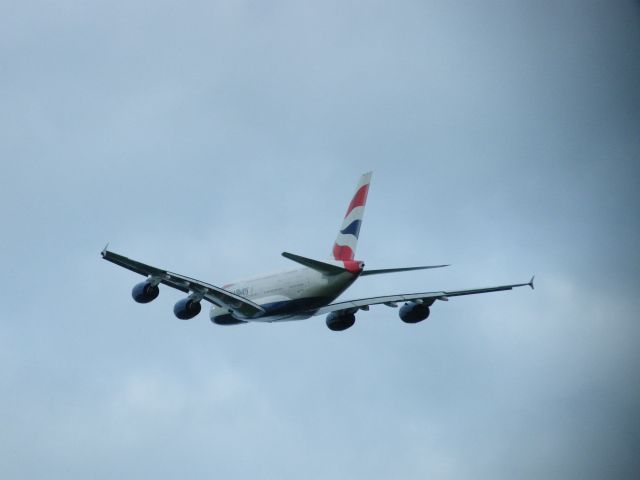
296 294
290 307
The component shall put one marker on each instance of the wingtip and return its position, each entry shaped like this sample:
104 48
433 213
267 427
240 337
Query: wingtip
531 282
104 250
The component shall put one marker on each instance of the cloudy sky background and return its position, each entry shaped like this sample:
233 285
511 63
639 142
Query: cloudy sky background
208 137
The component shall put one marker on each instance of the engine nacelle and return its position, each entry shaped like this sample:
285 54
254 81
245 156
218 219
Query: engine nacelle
338 321
186 308
221 316
145 292
227 319
413 312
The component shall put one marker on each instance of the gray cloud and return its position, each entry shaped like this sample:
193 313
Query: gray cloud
209 137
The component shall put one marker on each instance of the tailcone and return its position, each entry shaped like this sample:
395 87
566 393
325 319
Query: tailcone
353 266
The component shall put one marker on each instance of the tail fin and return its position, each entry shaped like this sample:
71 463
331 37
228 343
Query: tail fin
345 246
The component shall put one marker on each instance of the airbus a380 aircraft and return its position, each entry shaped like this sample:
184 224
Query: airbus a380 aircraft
296 294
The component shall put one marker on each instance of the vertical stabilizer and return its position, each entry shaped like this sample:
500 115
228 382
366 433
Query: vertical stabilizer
345 246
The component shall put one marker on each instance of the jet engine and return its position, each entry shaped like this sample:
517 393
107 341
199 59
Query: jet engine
338 321
414 312
145 292
186 308
222 316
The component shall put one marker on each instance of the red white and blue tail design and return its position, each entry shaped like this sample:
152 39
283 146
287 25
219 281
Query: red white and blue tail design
345 246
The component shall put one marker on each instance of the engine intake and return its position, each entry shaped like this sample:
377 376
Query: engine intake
413 312
339 321
186 308
145 292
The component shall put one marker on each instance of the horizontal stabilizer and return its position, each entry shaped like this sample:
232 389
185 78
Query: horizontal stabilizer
314 264
401 269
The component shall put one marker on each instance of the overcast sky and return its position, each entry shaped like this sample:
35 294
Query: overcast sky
207 137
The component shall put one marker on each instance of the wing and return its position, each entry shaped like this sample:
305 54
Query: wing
391 300
240 306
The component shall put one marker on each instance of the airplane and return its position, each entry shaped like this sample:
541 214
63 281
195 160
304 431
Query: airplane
295 294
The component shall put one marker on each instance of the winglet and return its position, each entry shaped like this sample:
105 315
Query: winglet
104 250
531 282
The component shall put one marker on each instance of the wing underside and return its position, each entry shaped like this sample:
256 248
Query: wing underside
393 300
238 305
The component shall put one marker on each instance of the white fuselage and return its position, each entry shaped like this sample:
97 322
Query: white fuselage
290 295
